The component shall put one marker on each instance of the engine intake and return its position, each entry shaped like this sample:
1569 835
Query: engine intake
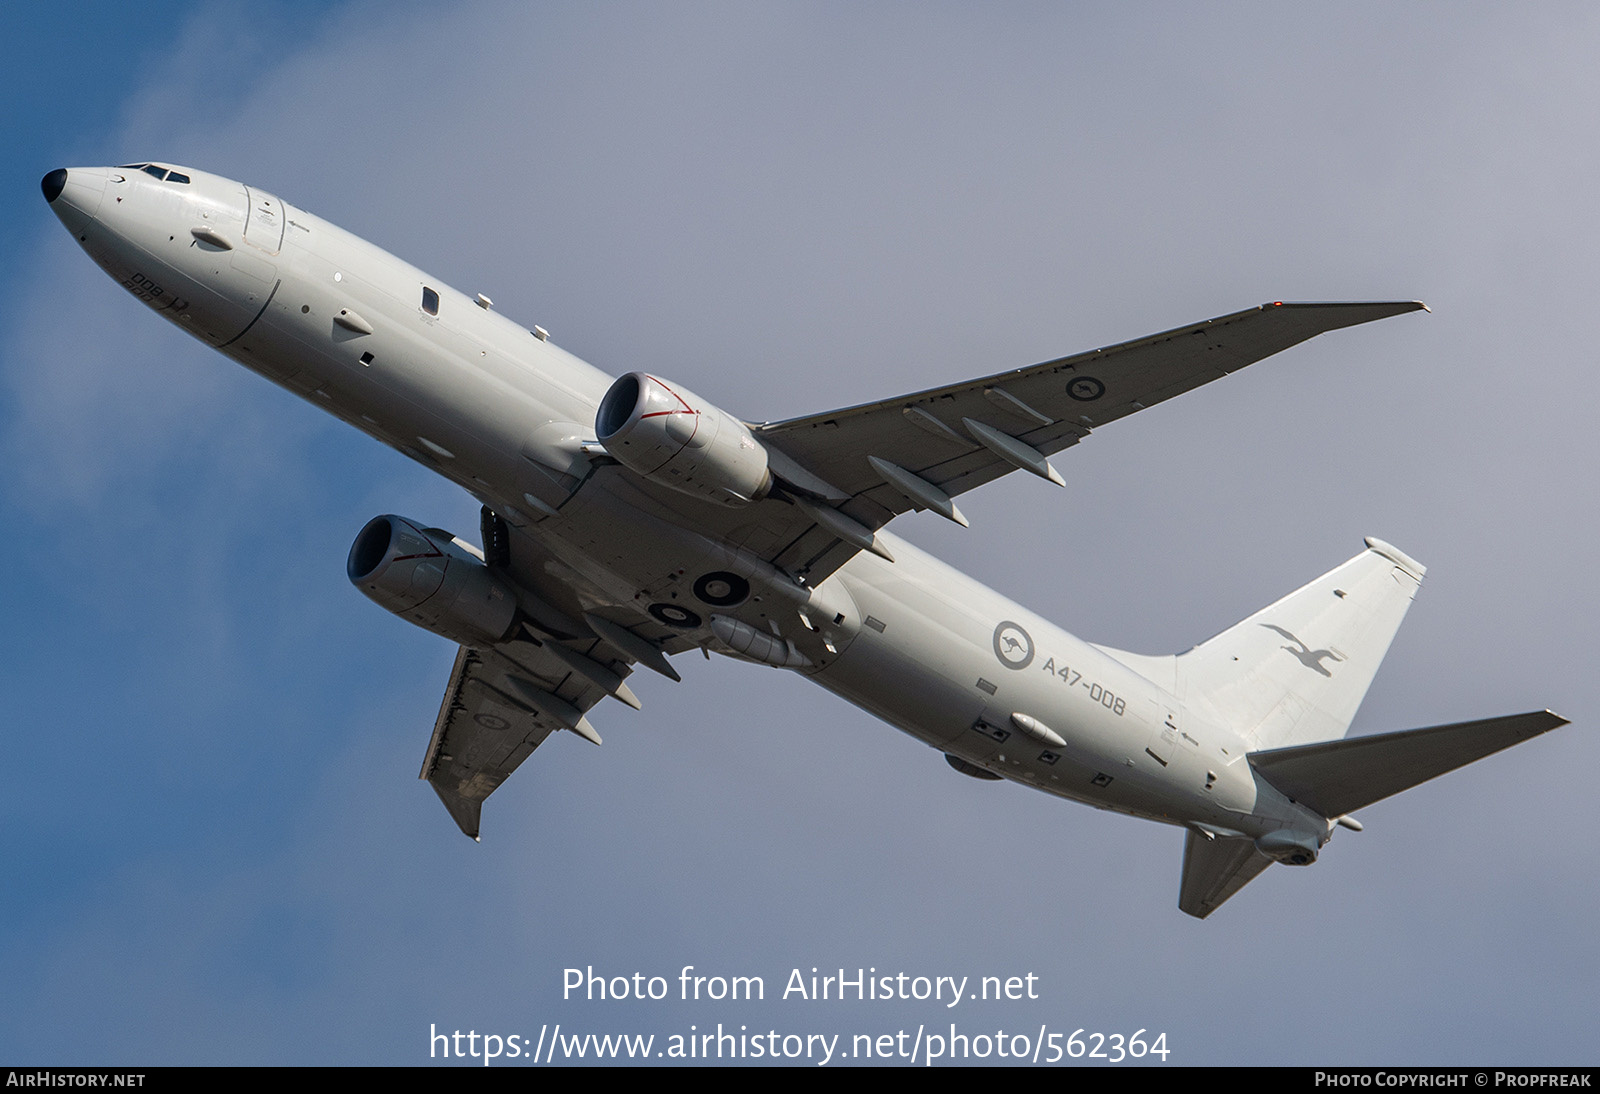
428 577
673 437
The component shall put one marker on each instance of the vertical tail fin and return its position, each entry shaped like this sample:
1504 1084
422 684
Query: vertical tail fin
1296 671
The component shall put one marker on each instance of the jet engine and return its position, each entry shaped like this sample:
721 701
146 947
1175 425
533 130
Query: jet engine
432 579
672 437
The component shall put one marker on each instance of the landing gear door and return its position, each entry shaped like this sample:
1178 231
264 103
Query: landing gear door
263 225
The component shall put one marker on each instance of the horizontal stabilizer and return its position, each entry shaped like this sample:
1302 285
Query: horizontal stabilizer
1215 869
1339 777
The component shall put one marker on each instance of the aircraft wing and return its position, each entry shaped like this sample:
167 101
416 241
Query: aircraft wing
875 461
501 704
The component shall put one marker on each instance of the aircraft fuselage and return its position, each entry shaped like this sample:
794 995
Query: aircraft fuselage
509 416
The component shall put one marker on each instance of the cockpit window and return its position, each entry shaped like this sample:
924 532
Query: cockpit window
430 301
157 171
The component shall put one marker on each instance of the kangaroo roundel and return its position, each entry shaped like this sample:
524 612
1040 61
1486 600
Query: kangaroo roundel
1013 645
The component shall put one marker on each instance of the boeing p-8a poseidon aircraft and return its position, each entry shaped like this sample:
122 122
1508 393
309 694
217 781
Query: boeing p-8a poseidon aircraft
625 520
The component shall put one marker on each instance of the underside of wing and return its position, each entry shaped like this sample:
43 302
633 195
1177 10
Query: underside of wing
500 705
918 451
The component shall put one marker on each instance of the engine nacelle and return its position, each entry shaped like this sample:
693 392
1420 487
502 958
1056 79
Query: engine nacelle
425 576
673 437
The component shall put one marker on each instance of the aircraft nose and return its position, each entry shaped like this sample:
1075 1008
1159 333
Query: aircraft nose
53 183
75 195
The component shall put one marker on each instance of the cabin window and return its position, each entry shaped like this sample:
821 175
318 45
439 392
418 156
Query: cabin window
430 301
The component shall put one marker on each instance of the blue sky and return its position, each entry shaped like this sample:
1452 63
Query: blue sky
216 847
